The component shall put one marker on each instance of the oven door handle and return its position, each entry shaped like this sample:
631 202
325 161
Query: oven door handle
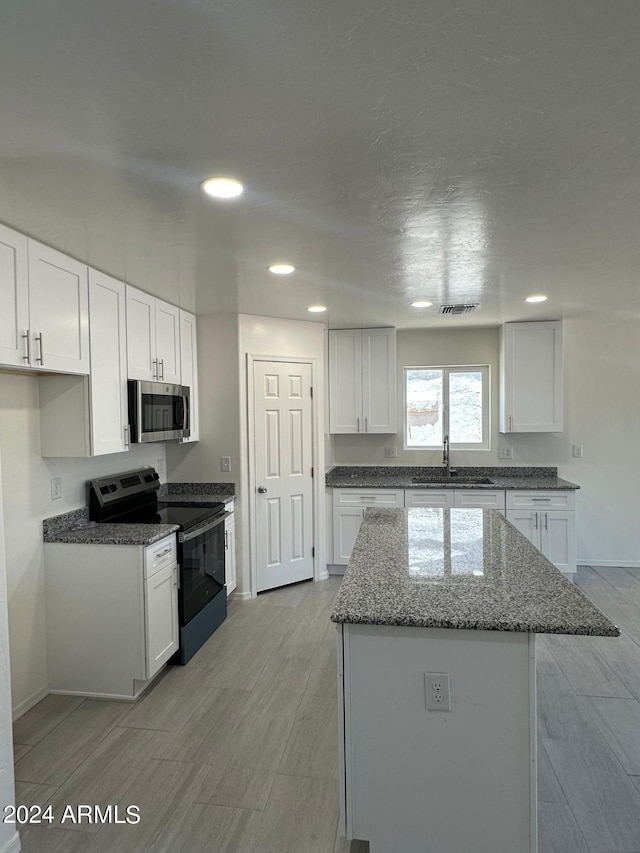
219 519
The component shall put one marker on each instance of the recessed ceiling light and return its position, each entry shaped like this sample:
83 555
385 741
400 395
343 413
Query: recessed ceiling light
422 303
281 269
317 309
222 187
538 298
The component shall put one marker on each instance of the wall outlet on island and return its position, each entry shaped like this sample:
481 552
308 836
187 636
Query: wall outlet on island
438 691
390 452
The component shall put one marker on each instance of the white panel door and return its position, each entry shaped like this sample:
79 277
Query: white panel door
141 335
58 310
283 477
14 298
108 381
168 342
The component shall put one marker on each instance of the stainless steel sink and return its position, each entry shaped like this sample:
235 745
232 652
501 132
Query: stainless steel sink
452 481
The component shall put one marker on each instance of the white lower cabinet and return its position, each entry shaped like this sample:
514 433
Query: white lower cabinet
112 616
230 549
348 509
548 520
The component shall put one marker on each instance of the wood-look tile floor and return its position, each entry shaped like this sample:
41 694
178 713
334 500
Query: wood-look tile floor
236 752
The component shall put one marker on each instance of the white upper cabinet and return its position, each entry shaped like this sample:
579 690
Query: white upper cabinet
109 418
362 381
189 365
58 311
14 297
531 377
153 338
44 319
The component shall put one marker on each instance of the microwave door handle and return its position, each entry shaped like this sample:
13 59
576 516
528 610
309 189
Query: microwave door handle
219 519
187 414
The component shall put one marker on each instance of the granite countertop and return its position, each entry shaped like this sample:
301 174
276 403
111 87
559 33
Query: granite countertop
70 527
458 568
401 477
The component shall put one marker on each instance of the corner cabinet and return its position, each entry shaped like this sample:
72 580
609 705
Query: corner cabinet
548 520
189 371
44 322
88 416
112 616
531 377
362 381
153 338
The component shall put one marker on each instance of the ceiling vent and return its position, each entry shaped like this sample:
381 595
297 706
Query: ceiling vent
459 308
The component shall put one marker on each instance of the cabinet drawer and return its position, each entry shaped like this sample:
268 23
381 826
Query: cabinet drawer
160 554
368 497
479 498
541 500
429 497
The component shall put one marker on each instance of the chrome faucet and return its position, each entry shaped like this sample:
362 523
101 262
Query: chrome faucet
445 455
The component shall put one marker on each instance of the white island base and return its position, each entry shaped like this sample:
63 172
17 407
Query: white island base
419 781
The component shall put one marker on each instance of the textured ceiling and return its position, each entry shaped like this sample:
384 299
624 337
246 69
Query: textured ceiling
455 151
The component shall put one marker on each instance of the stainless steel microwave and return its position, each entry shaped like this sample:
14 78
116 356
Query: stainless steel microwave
158 411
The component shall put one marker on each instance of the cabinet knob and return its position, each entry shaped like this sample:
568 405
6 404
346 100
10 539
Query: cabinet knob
262 490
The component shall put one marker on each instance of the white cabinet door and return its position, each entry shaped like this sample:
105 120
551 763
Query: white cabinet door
379 380
168 342
58 310
362 381
558 538
14 298
345 381
109 421
346 523
141 335
526 521
230 553
531 377
161 617
189 371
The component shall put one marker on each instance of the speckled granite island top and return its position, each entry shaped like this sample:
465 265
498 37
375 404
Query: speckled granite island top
458 568
402 477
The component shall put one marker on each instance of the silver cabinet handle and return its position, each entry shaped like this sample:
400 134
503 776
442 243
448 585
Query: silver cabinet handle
262 490
358 424
366 424
536 518
161 371
27 357
127 437
41 342
546 521
510 423
541 500
154 368
163 553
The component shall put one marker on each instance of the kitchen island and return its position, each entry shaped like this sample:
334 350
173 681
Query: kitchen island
451 598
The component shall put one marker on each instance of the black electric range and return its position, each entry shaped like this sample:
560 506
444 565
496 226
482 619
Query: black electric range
132 497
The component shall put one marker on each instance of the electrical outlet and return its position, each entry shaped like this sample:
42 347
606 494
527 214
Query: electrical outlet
56 489
225 463
505 452
437 687
577 451
161 468
391 452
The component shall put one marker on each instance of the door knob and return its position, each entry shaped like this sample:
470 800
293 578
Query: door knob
262 490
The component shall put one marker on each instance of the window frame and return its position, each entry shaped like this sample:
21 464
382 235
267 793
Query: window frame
447 369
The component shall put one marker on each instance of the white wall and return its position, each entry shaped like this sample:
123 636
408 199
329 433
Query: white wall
7 788
27 500
271 337
602 412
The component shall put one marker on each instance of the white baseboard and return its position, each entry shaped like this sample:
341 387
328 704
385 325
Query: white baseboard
13 845
240 596
323 575
333 569
27 704
623 564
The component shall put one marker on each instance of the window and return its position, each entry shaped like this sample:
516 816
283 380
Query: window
451 401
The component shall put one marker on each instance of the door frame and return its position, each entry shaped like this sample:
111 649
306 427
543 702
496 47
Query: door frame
317 486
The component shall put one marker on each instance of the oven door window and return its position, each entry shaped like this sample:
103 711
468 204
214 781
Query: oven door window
162 412
201 571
